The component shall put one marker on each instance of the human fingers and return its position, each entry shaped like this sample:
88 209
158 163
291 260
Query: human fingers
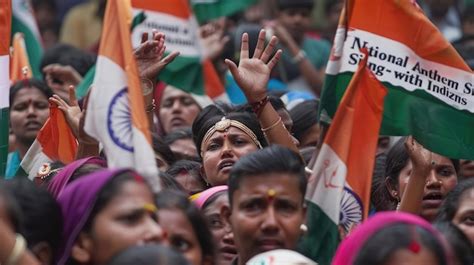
244 48
275 59
267 53
260 44
72 96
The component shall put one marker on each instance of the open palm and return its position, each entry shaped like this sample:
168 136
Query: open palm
252 74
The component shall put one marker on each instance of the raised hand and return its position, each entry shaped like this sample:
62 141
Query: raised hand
71 110
252 74
213 40
149 55
60 77
421 158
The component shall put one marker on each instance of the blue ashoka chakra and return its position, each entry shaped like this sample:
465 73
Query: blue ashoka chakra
351 209
119 120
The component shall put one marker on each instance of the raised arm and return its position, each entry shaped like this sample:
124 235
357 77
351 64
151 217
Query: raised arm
421 168
252 76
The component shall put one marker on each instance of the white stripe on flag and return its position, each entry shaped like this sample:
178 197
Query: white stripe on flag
327 182
4 81
34 159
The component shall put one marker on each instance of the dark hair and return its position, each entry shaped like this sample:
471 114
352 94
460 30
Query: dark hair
192 167
273 159
41 215
450 205
277 103
148 255
210 115
397 159
179 134
12 207
460 244
284 4
31 83
379 197
163 149
168 182
304 116
65 54
173 200
381 246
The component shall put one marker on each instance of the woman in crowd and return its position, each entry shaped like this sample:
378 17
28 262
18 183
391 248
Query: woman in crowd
29 110
185 227
431 175
178 109
305 123
393 238
104 213
458 208
188 174
211 202
266 197
221 138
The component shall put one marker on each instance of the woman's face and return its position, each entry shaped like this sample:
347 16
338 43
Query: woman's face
311 137
220 230
177 109
442 179
128 219
266 214
221 152
28 113
180 234
464 217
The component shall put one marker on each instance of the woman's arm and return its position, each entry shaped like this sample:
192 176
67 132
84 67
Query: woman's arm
421 168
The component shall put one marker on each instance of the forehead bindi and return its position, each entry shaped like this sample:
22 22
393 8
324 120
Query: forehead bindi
28 94
279 185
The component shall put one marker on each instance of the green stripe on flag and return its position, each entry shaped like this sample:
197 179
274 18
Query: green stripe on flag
4 132
322 239
206 10
33 45
191 68
88 79
83 87
436 125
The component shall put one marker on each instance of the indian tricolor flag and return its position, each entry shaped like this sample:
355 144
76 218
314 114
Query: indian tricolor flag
191 71
430 87
20 67
115 110
54 142
338 193
5 27
24 21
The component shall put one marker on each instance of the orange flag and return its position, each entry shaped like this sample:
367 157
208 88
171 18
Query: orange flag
20 67
338 191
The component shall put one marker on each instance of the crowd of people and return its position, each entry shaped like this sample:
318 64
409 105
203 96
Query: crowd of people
233 176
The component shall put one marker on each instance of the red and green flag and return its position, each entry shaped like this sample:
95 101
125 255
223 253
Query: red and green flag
430 87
